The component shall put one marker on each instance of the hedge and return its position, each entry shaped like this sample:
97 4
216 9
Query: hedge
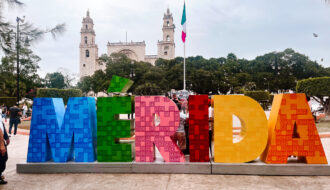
318 87
58 93
8 101
271 98
262 97
314 86
258 95
147 89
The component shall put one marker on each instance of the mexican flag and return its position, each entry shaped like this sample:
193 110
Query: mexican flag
183 23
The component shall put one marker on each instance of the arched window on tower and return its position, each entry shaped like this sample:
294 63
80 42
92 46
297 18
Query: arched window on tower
168 38
86 26
168 23
165 53
87 53
85 39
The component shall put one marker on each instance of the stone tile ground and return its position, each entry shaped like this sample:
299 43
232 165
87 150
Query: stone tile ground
18 150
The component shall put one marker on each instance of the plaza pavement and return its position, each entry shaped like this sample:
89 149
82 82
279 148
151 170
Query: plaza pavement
18 151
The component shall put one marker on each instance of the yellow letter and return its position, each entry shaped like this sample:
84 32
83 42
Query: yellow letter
254 131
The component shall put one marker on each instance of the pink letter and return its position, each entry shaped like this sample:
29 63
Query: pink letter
147 134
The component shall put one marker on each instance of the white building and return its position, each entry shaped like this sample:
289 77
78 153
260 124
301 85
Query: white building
135 50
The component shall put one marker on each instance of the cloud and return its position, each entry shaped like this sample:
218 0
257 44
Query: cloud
247 28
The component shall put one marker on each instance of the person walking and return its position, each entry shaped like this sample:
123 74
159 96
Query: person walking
25 108
14 118
4 142
4 112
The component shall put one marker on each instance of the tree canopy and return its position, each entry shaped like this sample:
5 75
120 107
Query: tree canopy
318 88
28 61
55 80
274 72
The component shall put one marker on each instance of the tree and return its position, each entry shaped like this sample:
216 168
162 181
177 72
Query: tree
318 88
85 84
31 32
274 71
95 83
29 79
281 70
148 89
55 80
202 82
69 78
99 82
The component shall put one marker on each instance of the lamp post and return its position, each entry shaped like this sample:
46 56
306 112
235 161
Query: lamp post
132 72
18 20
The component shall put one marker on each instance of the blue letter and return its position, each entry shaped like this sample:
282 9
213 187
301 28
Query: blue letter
63 135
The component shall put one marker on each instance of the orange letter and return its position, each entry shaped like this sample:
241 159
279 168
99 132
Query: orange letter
292 132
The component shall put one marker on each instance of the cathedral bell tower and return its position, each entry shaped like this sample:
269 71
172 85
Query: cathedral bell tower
166 47
88 48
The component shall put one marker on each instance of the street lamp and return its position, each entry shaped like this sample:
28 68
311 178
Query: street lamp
18 20
268 83
132 72
17 38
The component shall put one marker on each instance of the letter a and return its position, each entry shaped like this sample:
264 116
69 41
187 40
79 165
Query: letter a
292 132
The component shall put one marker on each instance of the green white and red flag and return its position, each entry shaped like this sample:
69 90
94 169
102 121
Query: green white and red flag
183 23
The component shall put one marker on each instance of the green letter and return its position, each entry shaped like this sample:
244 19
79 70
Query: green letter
110 129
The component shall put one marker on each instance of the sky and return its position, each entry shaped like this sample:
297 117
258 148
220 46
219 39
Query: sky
248 28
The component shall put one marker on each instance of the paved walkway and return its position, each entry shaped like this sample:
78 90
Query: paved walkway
18 151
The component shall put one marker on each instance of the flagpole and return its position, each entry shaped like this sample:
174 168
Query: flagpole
184 66
184 33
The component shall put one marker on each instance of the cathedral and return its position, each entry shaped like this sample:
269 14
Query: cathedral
89 62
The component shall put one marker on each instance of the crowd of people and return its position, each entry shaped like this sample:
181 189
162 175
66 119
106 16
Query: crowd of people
4 142
15 114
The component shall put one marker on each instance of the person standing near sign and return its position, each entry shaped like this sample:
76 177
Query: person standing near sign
179 135
25 108
211 124
14 115
4 141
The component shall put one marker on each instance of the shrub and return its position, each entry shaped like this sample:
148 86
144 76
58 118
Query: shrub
271 98
58 93
316 87
147 89
8 101
262 97
258 95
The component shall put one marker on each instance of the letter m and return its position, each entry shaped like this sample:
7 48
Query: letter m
60 134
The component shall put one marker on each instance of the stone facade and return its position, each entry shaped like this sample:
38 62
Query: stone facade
89 62
166 47
134 50
88 48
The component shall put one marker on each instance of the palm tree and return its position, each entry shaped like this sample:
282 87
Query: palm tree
32 33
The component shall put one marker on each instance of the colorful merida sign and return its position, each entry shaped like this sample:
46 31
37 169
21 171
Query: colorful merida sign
84 134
